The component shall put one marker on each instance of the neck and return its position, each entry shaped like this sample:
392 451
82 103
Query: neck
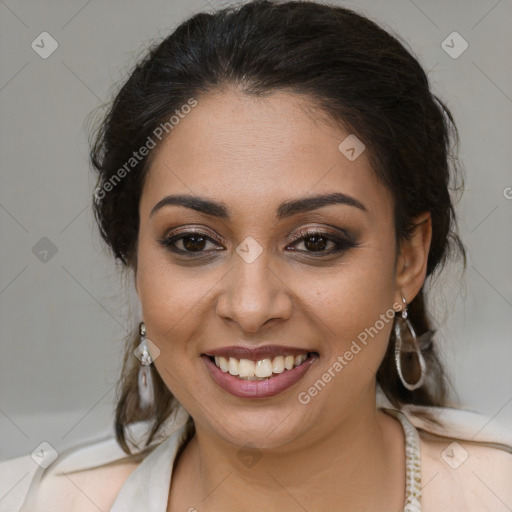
359 465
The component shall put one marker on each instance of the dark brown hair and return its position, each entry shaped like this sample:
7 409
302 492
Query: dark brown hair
351 70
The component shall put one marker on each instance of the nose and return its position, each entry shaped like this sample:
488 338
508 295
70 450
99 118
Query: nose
254 294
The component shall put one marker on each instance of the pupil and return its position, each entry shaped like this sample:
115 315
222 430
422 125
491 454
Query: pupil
316 245
198 245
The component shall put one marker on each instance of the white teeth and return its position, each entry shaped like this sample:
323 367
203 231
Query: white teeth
223 364
246 368
278 364
258 370
233 366
289 361
263 368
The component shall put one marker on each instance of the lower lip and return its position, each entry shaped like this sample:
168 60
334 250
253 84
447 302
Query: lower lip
258 388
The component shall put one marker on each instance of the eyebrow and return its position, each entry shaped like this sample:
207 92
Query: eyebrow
286 209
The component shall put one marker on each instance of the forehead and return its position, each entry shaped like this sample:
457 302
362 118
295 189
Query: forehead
253 152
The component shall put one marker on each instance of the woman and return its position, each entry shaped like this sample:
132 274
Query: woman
277 177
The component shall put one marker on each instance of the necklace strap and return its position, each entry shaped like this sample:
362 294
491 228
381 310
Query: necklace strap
412 462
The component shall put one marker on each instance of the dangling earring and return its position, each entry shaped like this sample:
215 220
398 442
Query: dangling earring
146 391
401 322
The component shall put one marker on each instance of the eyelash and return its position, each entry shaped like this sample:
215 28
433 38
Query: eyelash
342 244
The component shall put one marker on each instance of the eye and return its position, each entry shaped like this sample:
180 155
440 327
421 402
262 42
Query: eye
192 242
317 241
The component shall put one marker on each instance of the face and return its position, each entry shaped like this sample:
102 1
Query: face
319 279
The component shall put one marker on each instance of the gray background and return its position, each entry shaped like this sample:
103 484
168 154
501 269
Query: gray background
62 321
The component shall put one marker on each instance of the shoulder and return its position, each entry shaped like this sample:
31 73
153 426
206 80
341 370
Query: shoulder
84 477
15 477
83 490
465 476
466 460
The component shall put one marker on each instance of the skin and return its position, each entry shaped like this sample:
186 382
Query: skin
252 154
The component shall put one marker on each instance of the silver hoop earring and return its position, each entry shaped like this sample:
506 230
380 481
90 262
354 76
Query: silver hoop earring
401 322
145 380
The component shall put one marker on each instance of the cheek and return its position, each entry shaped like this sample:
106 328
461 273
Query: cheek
169 298
169 303
355 307
175 304
160 291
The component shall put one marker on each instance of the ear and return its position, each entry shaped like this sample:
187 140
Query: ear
411 268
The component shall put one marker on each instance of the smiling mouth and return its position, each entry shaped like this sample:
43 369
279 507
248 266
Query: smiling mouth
263 369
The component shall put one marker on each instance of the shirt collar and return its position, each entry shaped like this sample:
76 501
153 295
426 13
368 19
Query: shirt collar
147 487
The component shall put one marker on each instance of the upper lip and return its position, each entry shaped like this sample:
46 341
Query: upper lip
256 353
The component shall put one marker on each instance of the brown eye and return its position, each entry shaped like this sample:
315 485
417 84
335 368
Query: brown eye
317 242
192 243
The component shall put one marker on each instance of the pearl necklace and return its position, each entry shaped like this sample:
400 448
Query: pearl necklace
412 462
